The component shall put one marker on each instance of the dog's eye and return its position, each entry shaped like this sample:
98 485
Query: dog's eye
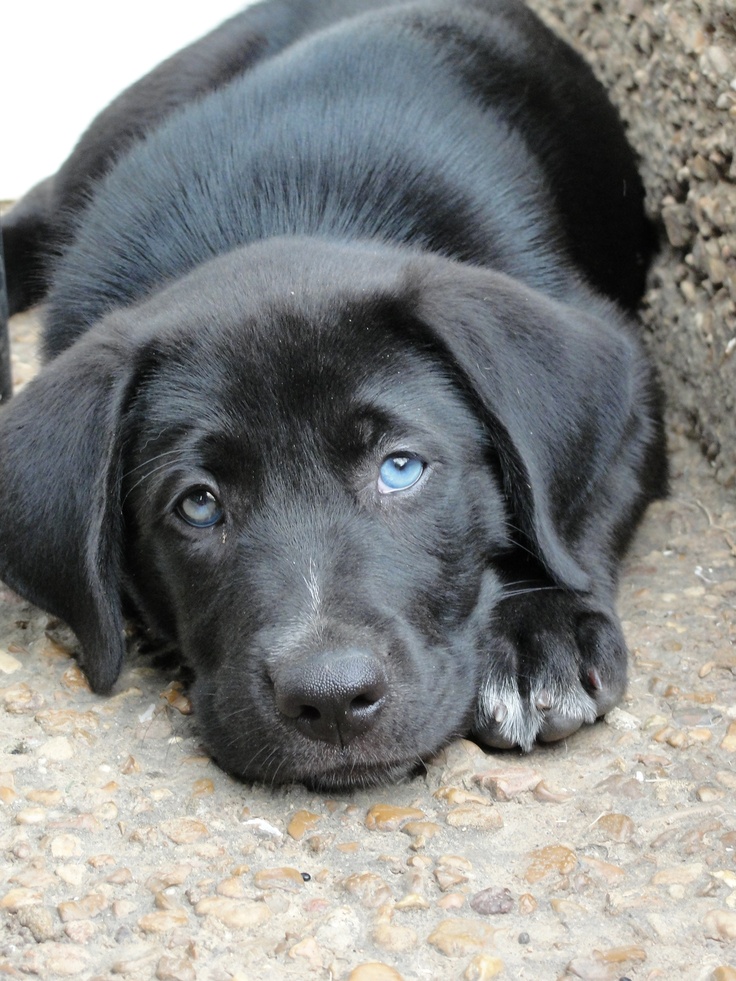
399 472
199 508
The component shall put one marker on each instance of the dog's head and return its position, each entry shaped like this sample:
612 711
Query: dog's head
305 464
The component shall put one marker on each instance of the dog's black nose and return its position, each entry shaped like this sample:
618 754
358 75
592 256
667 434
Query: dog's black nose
332 696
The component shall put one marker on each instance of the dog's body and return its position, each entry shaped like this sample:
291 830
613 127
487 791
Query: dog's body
345 404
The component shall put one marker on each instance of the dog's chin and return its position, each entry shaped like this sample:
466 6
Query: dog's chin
327 776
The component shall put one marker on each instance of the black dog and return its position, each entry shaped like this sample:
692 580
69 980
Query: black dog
341 398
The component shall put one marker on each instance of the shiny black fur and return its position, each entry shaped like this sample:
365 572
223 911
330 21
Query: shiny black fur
328 234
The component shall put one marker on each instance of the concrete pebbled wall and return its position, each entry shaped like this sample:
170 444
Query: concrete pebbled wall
670 67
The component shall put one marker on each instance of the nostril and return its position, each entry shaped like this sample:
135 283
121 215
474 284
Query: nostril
331 696
309 713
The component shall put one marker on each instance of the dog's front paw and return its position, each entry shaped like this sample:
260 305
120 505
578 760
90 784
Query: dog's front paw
555 664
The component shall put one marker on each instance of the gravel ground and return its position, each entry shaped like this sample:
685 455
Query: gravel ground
126 853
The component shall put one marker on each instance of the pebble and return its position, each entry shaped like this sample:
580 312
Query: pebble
301 822
720 924
368 888
392 937
491 901
729 740
18 898
552 858
507 784
615 827
387 817
234 913
483 967
66 846
458 937
40 921
481 816
184 831
163 920
175 968
82 909
279 878
374 971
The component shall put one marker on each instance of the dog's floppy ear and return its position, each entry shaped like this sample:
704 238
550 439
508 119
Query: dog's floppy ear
60 513
554 384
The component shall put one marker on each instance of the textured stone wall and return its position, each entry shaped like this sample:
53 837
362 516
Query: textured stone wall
671 69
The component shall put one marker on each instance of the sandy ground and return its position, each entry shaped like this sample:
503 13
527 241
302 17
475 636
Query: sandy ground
126 853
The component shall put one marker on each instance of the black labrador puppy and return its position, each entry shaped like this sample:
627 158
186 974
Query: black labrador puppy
341 397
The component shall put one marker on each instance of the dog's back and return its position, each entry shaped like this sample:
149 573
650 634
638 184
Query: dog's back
464 128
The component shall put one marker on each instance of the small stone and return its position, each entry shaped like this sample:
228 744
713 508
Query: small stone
40 921
203 788
238 914
177 967
310 951
391 937
412 900
422 829
455 795
729 740
65 960
483 967
527 903
66 720
452 900
48 798
8 663
621 720
505 785
231 887
386 817
184 831
279 878
163 920
80 931
551 795
623 955
490 902
678 875
174 695
553 858
21 700
616 827
74 679
481 816
374 971
302 822
448 879
459 937
66 846
172 875
31 815
724 973
592 969
18 898
369 888
720 924
71 872
82 909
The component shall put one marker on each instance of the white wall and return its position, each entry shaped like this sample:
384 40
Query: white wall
61 61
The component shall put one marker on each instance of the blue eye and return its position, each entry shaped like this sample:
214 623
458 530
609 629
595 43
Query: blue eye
399 472
199 508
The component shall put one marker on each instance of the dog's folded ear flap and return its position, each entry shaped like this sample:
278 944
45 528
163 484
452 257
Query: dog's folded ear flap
60 512
554 384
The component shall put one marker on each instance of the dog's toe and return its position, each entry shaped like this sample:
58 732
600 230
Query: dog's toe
546 680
